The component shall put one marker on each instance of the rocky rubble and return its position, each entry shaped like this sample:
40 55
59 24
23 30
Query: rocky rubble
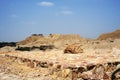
70 58
57 65
73 48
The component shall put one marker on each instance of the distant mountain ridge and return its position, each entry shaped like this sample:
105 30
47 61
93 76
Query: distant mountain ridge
111 35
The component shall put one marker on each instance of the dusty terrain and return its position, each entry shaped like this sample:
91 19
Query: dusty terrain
97 61
111 35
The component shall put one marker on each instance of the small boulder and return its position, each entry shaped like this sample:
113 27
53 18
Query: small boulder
73 48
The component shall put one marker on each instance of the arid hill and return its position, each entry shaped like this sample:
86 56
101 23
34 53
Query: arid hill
33 38
53 39
112 35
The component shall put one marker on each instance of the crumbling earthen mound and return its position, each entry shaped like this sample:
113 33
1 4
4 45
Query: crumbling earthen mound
30 39
62 40
112 35
58 40
35 40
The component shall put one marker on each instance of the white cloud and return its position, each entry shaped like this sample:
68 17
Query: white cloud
48 4
64 12
67 12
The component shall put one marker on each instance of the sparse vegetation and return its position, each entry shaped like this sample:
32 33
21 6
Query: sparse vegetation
37 35
42 47
12 44
23 48
45 47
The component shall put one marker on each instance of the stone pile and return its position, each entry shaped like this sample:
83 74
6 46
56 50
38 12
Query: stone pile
66 71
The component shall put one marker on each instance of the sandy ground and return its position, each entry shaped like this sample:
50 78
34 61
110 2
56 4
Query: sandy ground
94 54
13 70
10 70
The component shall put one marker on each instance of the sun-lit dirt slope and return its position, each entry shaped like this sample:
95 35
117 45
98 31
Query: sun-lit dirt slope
112 35
57 40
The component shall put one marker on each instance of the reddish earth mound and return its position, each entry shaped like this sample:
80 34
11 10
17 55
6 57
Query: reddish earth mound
112 35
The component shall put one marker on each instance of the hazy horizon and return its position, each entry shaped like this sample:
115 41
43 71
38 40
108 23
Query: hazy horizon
88 18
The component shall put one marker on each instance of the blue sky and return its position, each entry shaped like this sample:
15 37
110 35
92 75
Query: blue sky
89 18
